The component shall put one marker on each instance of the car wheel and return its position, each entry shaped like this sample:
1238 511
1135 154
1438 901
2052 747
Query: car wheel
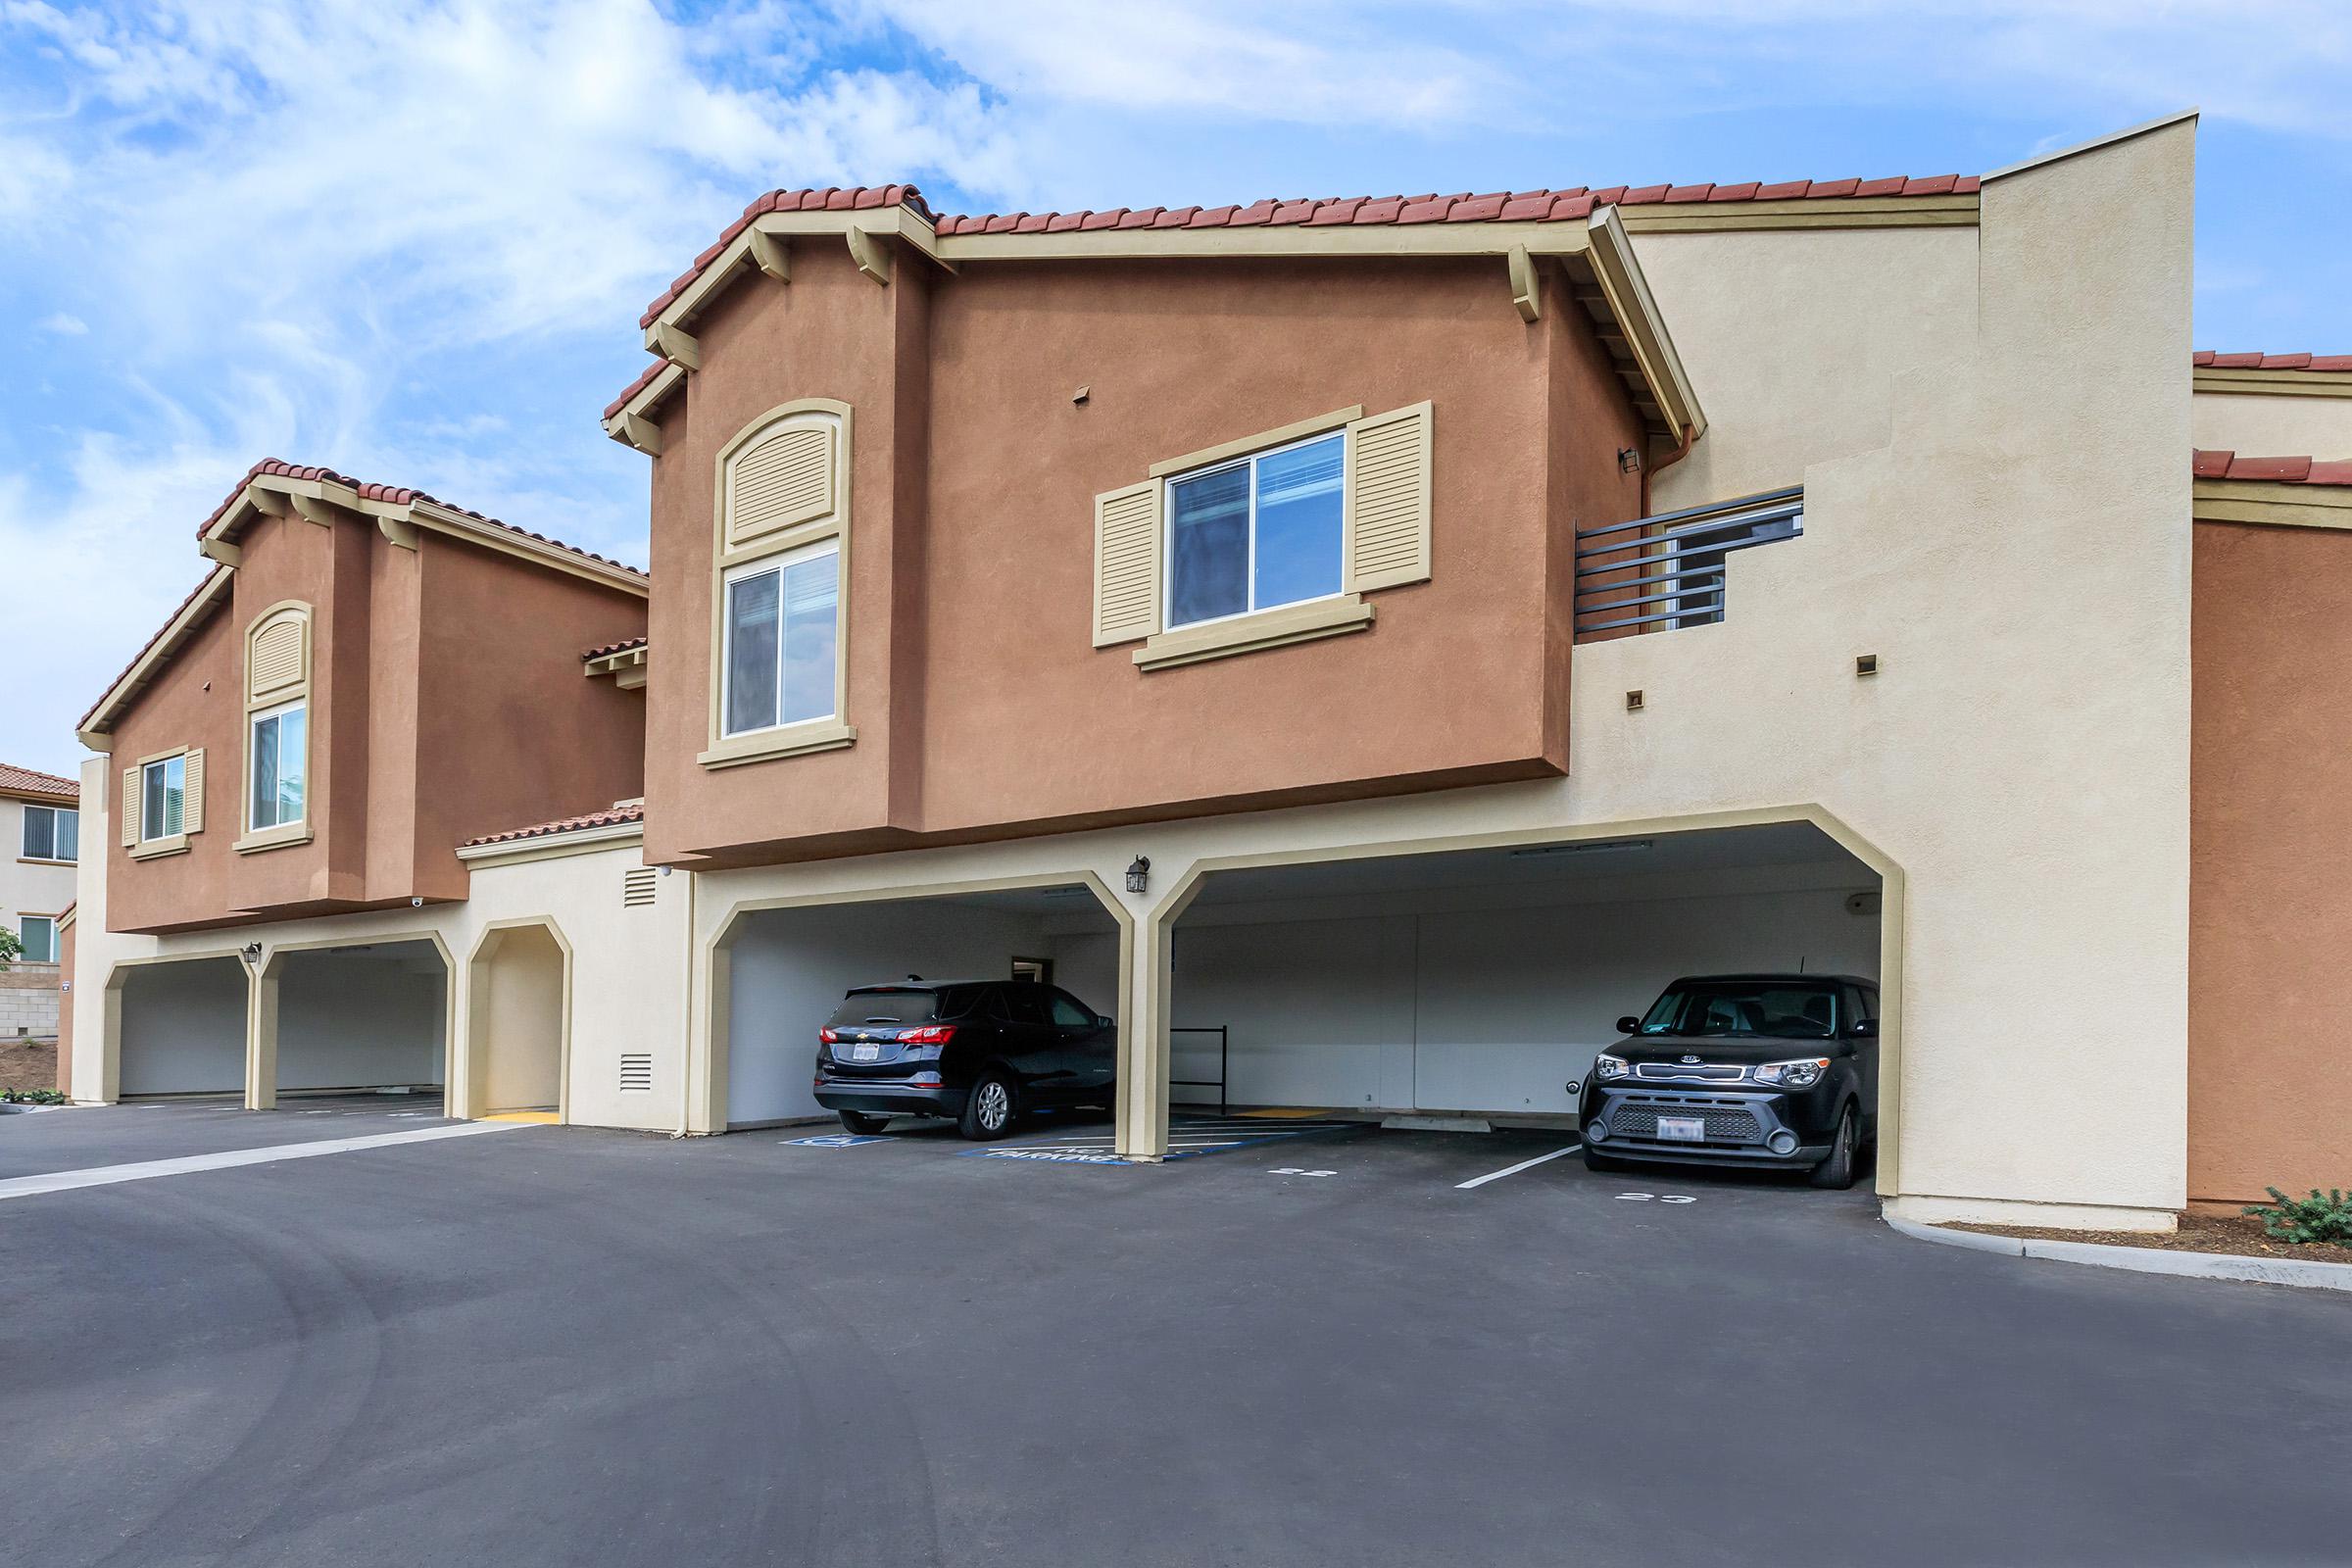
989 1111
864 1126
1594 1161
1838 1171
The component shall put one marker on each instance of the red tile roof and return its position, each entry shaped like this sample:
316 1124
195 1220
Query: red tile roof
1523 206
2206 359
32 781
617 817
2274 471
392 495
620 647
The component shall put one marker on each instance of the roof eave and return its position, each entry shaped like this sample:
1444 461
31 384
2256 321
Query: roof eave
96 727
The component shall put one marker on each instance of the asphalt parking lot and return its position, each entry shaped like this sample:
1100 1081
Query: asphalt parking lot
561 1345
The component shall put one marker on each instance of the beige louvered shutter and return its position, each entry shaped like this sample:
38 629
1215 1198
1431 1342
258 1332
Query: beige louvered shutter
781 480
128 805
1388 499
1127 564
276 661
191 796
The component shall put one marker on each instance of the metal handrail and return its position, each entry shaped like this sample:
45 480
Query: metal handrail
1717 513
1698 593
1224 1035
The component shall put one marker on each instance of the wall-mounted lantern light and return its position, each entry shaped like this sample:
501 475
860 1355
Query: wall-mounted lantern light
1138 874
252 954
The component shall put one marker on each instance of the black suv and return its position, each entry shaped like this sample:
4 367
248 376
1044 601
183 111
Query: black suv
978 1050
1742 1069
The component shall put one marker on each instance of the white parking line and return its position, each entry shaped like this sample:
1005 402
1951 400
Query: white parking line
107 1175
1513 1170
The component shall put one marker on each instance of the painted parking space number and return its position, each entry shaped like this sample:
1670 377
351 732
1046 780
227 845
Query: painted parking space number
1644 1197
1293 1170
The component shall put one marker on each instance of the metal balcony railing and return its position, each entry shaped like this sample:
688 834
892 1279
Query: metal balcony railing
1666 572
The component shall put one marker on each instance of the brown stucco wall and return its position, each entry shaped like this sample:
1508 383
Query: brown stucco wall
2270 1002
981 705
508 728
447 702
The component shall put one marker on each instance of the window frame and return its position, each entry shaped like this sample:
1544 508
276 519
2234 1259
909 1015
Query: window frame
169 837
1248 460
302 691
781 563
57 815
25 919
730 561
253 724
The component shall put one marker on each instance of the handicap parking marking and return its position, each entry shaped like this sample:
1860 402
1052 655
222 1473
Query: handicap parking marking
1293 1170
1664 1198
836 1140
1189 1138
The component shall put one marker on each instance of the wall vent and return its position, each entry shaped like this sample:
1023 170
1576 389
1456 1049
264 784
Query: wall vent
637 888
637 1074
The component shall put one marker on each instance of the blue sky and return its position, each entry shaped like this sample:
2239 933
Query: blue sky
411 240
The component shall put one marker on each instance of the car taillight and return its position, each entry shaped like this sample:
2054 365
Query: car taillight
937 1034
827 1036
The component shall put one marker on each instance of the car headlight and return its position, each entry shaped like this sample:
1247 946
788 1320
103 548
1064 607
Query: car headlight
1802 1074
1606 1068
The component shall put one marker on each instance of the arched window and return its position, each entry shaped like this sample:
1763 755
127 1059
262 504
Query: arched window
278 710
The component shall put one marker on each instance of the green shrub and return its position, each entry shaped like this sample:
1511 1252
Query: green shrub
2307 1220
32 1096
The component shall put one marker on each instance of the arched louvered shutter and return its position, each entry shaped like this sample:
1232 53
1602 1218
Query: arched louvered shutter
1127 564
786 477
277 655
1388 499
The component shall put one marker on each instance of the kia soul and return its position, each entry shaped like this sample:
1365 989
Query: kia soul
1777 1070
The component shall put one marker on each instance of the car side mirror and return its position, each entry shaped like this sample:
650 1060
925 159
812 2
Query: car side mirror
1629 1025
1865 1029
1101 1022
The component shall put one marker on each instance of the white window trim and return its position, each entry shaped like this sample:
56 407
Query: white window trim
1168 626
24 830
56 935
168 843
253 724
784 561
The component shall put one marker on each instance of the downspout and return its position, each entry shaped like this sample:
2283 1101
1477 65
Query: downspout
1650 470
686 1053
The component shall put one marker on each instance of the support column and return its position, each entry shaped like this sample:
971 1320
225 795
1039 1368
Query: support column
261 1035
110 1061
1143 1108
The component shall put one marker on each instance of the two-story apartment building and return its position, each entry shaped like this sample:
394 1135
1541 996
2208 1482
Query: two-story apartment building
1394 636
40 834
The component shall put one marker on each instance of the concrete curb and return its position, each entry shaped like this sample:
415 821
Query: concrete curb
2140 1259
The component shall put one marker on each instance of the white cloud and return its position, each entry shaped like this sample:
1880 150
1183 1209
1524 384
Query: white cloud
62 325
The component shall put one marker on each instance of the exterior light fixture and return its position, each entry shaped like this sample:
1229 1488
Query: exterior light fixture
1628 461
252 954
1138 874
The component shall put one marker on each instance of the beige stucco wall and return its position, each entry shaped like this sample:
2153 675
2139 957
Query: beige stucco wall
1998 507
628 964
2256 426
33 887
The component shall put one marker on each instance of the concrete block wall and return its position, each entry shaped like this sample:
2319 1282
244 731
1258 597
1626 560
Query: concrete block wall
29 999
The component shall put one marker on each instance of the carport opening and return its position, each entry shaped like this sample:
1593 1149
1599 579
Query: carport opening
182 1029
364 1019
1475 987
789 969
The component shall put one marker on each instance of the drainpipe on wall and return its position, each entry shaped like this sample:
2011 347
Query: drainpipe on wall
686 1051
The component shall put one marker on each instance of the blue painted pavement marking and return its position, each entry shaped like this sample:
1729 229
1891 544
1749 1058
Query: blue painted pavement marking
833 1141
1189 1138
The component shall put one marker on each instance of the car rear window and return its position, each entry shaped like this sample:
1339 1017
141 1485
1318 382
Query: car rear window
898 1004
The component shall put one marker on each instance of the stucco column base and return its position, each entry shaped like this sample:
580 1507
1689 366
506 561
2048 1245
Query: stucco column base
1936 1210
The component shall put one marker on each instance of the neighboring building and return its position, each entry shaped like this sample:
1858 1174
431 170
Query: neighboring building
1399 633
40 830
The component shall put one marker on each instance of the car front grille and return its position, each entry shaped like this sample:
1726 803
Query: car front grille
1696 1072
1722 1125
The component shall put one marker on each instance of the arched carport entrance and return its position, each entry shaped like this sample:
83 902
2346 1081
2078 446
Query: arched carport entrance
175 1027
778 968
1474 980
352 1018
518 1024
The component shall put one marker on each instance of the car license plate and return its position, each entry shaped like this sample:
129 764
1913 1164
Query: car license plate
1683 1129
866 1052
